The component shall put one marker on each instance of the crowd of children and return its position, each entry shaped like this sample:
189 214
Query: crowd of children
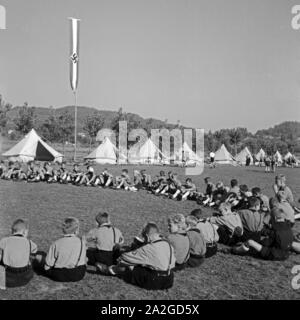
245 220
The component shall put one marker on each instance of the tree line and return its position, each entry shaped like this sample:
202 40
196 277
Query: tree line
59 127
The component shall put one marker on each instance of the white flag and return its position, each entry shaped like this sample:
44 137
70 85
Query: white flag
74 53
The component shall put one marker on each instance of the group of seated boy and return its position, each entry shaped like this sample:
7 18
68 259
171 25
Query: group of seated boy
163 184
246 222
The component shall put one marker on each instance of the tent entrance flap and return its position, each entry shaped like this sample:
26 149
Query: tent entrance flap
42 154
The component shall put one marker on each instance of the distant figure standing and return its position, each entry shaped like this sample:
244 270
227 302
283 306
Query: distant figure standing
248 160
267 163
212 159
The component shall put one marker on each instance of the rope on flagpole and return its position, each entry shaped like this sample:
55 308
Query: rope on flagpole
75 128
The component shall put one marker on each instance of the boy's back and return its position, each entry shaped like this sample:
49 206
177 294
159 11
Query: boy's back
67 252
106 237
16 251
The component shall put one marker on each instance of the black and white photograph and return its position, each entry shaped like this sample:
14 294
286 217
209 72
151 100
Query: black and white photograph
149 151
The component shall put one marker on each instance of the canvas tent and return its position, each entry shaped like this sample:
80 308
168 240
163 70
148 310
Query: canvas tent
287 156
185 153
260 155
222 156
242 156
32 147
148 153
105 153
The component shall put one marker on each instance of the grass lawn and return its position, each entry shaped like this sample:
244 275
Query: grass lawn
221 277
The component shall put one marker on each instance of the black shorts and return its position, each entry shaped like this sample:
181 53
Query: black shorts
247 235
18 277
101 256
211 250
66 275
149 279
268 253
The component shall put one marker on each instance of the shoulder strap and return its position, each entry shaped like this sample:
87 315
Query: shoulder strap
114 233
29 251
170 260
81 245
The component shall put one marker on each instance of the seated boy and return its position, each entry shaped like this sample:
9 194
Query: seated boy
124 181
173 186
63 174
234 187
264 200
146 180
159 182
206 198
179 240
253 220
151 265
219 195
106 179
208 230
187 191
107 240
197 243
16 252
89 177
229 225
75 174
66 258
277 243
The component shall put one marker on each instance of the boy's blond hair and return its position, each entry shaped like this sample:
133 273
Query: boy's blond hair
19 225
179 220
70 225
191 221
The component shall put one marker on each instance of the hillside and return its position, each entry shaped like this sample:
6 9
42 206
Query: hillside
82 112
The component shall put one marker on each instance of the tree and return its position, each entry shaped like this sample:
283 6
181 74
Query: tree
92 124
66 127
4 109
235 138
25 119
50 128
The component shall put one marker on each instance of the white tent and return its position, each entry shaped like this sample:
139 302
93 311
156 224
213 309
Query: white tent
242 156
260 155
185 153
223 156
32 147
278 156
287 156
105 153
148 153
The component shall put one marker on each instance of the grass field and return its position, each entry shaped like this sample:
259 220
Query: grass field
221 277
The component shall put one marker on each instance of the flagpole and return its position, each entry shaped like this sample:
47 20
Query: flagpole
75 127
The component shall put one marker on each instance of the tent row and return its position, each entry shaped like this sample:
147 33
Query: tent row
32 147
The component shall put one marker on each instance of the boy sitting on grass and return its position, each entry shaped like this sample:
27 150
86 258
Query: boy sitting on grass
16 252
208 230
106 179
186 191
229 225
277 243
179 240
151 265
197 243
107 239
66 258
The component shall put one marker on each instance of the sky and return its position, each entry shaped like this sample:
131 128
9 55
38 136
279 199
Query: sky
211 64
